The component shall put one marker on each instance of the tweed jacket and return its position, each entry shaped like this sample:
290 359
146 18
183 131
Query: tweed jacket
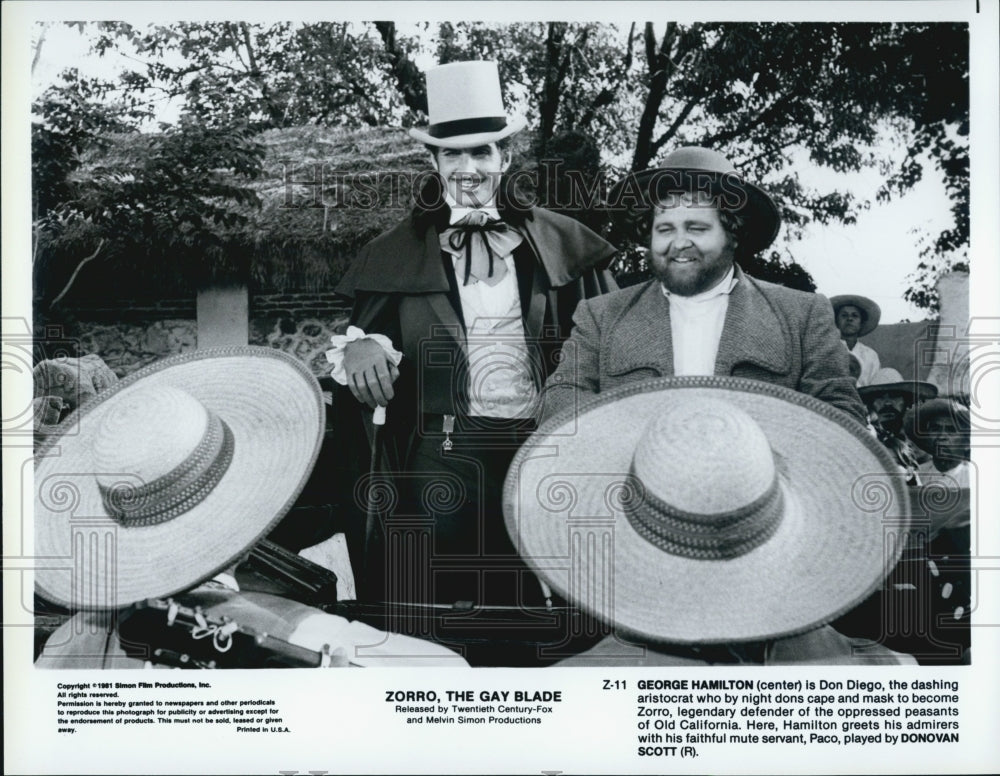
403 288
771 333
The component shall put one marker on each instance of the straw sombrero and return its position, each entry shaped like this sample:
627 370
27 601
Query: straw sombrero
869 309
168 476
694 170
707 509
889 381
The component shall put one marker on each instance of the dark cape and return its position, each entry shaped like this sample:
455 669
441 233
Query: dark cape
404 286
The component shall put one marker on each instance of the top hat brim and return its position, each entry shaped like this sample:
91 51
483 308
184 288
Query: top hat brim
644 188
274 408
873 313
514 124
562 505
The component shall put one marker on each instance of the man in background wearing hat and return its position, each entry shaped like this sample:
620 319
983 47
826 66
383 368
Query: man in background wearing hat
855 317
473 294
941 428
888 397
701 314
924 606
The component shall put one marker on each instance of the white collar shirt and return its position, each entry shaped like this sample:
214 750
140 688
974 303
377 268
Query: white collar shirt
696 326
458 212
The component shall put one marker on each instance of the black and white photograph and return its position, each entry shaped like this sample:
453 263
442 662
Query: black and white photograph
617 390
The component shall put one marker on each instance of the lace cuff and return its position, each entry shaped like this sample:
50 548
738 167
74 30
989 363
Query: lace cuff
339 341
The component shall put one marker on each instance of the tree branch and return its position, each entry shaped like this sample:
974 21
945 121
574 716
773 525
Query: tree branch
628 51
679 119
76 272
745 126
649 38
38 45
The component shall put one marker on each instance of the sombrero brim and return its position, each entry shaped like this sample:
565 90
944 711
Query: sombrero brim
514 125
912 388
762 219
873 313
831 550
274 407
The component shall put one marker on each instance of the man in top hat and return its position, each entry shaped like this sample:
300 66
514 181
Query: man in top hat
471 296
888 397
703 520
855 317
701 314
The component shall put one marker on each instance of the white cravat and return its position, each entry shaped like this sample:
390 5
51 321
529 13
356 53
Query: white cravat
696 326
458 212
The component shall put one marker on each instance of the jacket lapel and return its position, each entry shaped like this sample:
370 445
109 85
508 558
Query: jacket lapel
646 342
532 285
753 333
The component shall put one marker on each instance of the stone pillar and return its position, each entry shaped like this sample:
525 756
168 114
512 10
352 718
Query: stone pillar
223 316
950 362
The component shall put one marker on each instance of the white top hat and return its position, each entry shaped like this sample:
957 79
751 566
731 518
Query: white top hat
465 107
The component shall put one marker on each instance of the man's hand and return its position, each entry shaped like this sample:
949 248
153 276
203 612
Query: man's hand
370 372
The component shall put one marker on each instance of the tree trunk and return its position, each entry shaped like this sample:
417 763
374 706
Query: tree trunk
656 62
409 79
555 64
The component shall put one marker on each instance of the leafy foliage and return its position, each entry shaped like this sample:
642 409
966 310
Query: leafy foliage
170 197
844 96
265 76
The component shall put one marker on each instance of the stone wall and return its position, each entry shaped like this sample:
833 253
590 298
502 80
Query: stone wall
126 347
133 334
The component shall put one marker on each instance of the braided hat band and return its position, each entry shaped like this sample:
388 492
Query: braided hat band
704 510
170 475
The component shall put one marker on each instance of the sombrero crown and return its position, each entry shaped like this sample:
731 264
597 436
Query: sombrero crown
465 107
706 509
170 475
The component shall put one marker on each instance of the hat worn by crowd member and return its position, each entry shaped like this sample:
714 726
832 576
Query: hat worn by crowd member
170 475
918 417
726 510
869 309
693 170
889 381
465 107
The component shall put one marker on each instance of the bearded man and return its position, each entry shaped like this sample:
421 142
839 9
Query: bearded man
701 314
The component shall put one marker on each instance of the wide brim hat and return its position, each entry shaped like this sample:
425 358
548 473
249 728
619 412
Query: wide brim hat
109 531
889 380
870 309
578 497
695 170
465 107
918 416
